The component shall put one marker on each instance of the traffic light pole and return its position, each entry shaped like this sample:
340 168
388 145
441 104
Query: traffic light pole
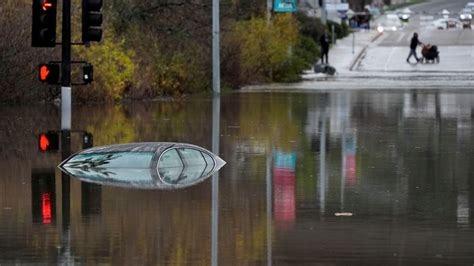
66 68
216 72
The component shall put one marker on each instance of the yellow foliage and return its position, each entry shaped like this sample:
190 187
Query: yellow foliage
264 44
113 67
172 75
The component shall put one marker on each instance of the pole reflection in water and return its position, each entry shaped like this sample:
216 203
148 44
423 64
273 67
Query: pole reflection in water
322 157
216 115
269 208
91 200
65 249
91 194
344 122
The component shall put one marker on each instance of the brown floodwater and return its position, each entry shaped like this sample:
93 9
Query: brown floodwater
334 178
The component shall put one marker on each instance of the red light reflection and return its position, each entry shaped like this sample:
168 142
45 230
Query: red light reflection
46 5
46 204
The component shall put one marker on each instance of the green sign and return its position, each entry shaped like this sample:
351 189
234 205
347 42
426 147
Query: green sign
284 6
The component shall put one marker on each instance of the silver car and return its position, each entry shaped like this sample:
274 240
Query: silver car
149 165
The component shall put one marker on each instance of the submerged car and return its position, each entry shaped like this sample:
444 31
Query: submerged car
150 165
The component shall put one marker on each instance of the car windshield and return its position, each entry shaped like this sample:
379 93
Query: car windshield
184 165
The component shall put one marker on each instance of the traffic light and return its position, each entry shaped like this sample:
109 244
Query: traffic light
49 73
87 140
44 23
91 20
48 141
87 73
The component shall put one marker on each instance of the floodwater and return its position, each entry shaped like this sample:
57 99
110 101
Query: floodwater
337 178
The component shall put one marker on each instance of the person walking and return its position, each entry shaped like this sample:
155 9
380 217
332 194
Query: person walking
324 42
413 45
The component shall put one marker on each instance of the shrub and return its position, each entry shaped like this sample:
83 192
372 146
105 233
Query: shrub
341 30
113 70
310 27
265 46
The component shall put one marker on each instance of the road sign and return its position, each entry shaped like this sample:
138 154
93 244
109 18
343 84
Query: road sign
284 6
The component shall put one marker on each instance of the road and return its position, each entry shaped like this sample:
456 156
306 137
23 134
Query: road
438 5
456 46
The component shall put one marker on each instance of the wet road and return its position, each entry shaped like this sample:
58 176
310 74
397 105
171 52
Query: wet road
364 177
389 52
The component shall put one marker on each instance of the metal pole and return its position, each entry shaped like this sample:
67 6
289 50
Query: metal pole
353 42
216 115
66 67
269 9
66 129
333 35
322 160
323 13
216 73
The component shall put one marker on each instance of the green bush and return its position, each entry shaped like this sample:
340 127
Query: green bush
307 50
265 46
310 27
304 56
114 69
341 30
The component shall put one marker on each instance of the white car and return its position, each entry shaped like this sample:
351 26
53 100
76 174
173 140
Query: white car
470 6
447 23
389 22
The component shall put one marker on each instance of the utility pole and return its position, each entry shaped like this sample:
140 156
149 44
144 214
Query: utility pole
269 9
323 12
216 71
66 69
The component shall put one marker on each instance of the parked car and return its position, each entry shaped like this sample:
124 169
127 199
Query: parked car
447 23
470 6
389 22
466 18
405 15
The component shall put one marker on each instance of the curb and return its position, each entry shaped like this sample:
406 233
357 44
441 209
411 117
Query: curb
362 52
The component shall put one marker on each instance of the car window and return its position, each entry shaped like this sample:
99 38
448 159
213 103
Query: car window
184 165
170 158
114 160
170 166
209 163
192 157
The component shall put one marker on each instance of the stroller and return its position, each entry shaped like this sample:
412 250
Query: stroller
430 53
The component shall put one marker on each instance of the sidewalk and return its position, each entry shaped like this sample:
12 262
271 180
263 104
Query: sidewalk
346 52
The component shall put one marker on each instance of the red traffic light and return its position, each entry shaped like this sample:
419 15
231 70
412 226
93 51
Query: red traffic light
44 72
49 73
43 32
48 141
47 4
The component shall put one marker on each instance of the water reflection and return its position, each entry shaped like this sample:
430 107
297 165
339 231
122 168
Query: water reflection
284 180
402 163
43 196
